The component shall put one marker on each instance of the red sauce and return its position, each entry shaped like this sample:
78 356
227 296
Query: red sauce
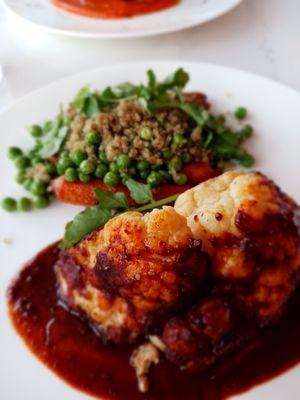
113 8
66 344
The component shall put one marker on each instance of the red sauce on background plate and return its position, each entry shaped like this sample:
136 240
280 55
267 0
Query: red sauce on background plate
68 346
113 8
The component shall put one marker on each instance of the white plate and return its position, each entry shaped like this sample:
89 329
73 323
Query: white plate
186 14
274 111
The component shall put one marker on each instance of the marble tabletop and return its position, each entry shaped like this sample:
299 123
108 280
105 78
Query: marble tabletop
261 36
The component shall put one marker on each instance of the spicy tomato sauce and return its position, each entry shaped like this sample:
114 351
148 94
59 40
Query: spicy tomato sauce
68 346
113 8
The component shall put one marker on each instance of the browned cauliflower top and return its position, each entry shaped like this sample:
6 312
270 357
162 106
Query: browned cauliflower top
136 269
249 229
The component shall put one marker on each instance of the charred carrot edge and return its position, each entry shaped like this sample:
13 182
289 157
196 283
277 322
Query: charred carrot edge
83 193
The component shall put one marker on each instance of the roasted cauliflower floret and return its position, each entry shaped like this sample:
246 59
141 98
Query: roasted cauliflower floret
130 275
248 227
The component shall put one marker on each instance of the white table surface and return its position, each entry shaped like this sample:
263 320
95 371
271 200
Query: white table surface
262 36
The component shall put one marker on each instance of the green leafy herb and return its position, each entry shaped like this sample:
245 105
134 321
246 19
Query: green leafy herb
91 106
111 200
53 140
84 223
95 217
178 79
158 203
80 98
140 193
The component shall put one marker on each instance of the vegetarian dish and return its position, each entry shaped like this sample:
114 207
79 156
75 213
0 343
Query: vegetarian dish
195 297
154 133
113 8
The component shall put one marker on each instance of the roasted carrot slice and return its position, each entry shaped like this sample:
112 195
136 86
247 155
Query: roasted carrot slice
197 97
83 193
198 172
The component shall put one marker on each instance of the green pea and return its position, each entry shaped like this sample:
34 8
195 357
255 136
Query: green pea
9 204
180 179
146 133
36 160
36 131
179 140
51 168
154 179
22 162
21 177
186 158
71 174
47 126
164 175
175 164
92 138
78 156
64 154
41 201
87 167
240 113
38 187
123 161
246 131
144 174
100 170
143 165
63 164
111 179
27 184
103 157
84 178
167 154
14 152
24 204
113 167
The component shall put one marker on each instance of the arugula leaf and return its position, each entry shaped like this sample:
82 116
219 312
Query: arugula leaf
52 142
197 112
95 217
245 159
80 98
140 193
151 79
158 203
91 106
125 90
84 223
178 79
111 200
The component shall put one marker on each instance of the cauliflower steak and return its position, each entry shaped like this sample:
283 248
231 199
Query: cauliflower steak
132 274
249 229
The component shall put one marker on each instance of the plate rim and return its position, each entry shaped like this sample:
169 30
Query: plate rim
170 62
148 61
118 35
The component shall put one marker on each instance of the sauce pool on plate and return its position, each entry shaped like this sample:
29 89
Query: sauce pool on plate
67 345
113 8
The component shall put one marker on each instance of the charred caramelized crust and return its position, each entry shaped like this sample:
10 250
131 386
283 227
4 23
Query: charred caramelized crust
210 331
133 273
146 276
249 229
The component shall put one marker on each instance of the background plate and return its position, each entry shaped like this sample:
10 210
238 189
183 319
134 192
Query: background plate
186 14
274 112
